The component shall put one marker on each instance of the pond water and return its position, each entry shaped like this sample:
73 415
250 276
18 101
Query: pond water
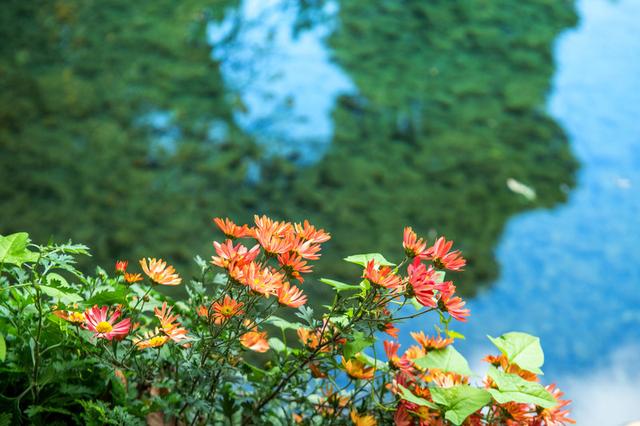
570 275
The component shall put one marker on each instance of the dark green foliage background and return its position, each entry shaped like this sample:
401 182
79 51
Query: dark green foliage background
451 104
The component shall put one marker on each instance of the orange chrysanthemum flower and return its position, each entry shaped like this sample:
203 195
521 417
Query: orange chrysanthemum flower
227 309
230 256
305 249
440 255
382 276
160 272
169 323
430 343
70 316
104 326
454 306
255 341
391 330
259 279
559 414
308 232
132 278
365 420
294 265
391 350
358 370
231 230
150 339
290 295
121 266
274 237
413 246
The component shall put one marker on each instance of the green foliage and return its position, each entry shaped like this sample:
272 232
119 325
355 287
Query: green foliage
514 388
521 349
447 359
13 249
460 401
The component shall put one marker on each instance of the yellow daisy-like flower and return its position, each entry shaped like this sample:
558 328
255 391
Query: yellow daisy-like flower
160 272
151 340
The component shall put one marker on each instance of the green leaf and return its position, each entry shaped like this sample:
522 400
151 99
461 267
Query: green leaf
447 359
283 323
407 395
339 286
359 342
460 401
110 297
512 387
55 280
276 344
363 259
371 361
3 348
454 334
13 249
60 295
522 349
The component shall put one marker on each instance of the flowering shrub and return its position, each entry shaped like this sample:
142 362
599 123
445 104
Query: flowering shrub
244 346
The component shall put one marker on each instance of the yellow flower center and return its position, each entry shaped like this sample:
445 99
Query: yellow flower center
76 317
226 311
154 342
104 327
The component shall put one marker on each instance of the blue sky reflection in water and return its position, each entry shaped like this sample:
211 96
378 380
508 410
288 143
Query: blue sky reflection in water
572 275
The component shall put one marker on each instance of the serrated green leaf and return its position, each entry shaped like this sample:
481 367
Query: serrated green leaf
56 280
339 286
359 342
460 401
363 259
60 295
446 359
522 349
13 249
512 387
407 395
3 348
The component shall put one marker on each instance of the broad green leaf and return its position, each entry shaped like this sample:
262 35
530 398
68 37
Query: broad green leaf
522 349
282 323
276 344
110 297
338 285
3 348
13 249
363 259
407 395
446 359
460 401
359 342
438 276
59 295
512 387
454 334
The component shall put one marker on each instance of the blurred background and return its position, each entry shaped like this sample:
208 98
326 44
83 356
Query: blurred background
512 127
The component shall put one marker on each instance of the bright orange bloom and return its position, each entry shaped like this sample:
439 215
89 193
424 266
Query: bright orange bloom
358 370
271 227
502 361
227 309
382 276
261 280
230 256
294 265
422 282
71 316
231 230
121 266
446 379
104 326
429 343
308 232
316 372
160 272
391 350
274 237
150 339
169 323
441 256
413 246
391 330
305 249
414 352
255 340
557 415
454 306
402 416
359 420
132 278
290 295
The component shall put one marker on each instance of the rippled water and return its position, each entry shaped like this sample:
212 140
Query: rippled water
572 275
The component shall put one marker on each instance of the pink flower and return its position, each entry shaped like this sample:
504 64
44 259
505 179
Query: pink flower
441 256
104 327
